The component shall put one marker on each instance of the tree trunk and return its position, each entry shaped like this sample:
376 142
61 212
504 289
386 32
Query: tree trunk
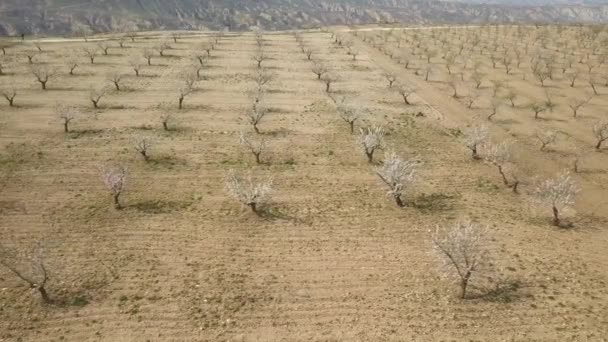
10 102
504 177
94 104
255 128
556 220
257 158
165 126
44 294
399 201
599 144
92 60
463 285
117 86
352 127
136 72
181 101
43 83
253 207
65 127
117 202
327 85
370 156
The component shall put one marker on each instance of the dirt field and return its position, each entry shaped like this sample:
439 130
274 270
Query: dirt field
333 258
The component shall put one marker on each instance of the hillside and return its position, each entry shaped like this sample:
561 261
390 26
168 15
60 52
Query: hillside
67 16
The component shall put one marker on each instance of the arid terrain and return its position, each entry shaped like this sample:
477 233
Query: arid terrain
330 257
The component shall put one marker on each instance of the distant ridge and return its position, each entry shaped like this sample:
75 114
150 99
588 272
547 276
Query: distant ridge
62 17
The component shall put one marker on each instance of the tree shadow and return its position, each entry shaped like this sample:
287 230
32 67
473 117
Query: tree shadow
159 206
75 134
434 202
503 291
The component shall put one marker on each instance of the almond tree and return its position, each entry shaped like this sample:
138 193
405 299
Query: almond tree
66 115
328 79
371 139
558 192
319 69
162 47
31 54
143 145
398 174
406 92
104 46
91 52
247 191
9 94
474 137
148 54
600 131
576 104
259 57
462 251
136 65
31 268
537 108
115 77
43 73
255 147
71 62
115 178
256 114
349 114
262 77
546 137
165 118
499 155
391 78
95 95
186 89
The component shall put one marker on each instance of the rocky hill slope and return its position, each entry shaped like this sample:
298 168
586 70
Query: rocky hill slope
67 16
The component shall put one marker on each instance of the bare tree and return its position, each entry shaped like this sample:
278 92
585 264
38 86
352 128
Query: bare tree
256 114
572 76
66 114
247 191
143 145
165 119
494 106
259 57
186 89
104 47
95 95
148 54
162 47
176 36
600 131
115 178
511 96
391 78
477 78
558 192
577 104
255 147
474 137
31 269
71 61
43 73
9 94
546 137
319 69
349 114
31 54
371 139
136 65
115 77
328 79
398 174
406 92
91 53
462 251
308 52
262 77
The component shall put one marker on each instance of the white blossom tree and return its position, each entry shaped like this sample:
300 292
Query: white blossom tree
256 147
462 251
558 192
371 140
474 137
115 178
398 174
255 115
247 191
499 155
43 73
350 114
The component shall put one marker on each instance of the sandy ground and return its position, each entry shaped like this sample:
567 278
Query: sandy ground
334 260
